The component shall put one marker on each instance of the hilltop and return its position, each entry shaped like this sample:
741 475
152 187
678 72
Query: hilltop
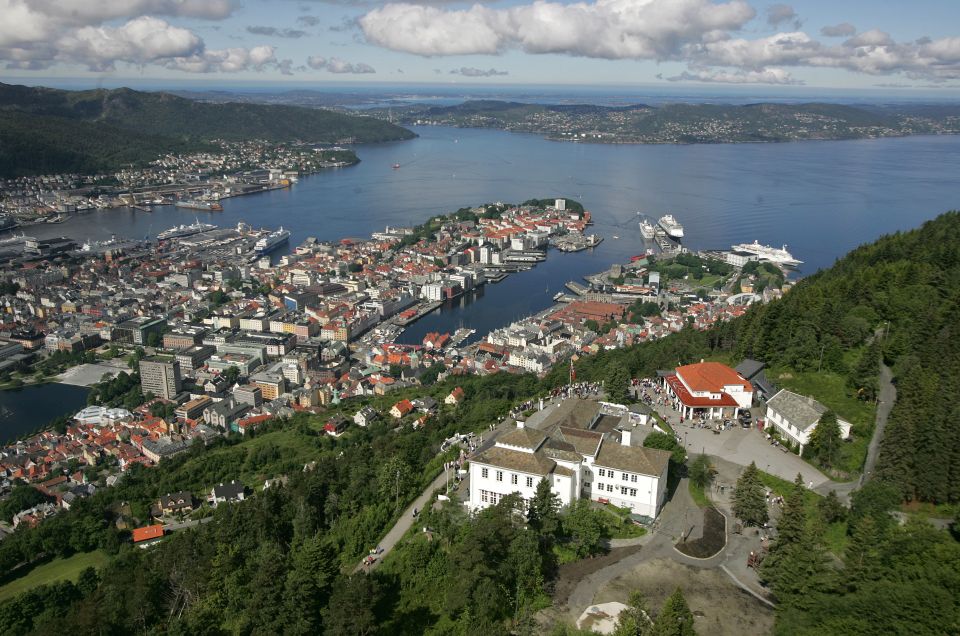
47 130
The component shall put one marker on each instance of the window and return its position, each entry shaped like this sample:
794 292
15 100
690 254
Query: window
602 472
609 487
485 472
513 479
633 478
633 492
483 496
499 475
626 477
529 482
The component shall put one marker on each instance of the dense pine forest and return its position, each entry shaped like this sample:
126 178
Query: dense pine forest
283 561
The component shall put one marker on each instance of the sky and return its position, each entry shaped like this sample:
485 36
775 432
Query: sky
854 44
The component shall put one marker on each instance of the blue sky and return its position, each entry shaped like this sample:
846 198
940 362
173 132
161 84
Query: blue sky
814 43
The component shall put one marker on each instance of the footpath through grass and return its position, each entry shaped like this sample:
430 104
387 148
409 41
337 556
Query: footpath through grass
56 570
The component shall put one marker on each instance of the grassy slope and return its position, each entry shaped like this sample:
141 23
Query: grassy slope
56 570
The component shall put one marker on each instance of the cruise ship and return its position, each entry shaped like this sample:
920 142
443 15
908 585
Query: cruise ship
780 256
270 242
671 226
647 230
185 230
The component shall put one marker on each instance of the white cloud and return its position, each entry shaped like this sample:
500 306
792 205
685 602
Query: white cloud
339 66
230 60
842 30
139 41
777 14
469 71
610 29
766 76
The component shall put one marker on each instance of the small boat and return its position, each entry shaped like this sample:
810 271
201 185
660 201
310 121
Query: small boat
615 236
396 166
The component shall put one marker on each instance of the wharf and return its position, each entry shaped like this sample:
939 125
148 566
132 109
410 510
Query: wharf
577 288
460 335
422 311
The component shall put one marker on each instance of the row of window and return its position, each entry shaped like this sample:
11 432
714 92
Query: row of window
489 497
632 492
514 477
606 472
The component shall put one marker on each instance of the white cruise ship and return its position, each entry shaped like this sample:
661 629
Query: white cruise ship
647 230
181 231
270 242
671 226
779 256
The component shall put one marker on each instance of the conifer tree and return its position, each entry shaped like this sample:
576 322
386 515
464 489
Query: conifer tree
675 618
826 440
749 498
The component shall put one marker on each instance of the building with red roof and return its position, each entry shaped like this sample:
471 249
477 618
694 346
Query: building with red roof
147 535
711 389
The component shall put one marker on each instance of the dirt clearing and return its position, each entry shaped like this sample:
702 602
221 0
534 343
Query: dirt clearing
719 605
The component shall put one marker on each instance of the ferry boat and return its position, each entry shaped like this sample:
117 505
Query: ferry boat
194 204
271 241
780 256
185 230
671 226
646 229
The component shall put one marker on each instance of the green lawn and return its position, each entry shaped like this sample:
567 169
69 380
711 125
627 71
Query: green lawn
831 390
56 570
699 496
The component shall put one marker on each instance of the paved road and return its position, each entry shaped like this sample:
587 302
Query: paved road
182 525
405 522
888 395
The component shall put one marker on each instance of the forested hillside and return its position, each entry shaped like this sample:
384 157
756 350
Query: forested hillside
88 131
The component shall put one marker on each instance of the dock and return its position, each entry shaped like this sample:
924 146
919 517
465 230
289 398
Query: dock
577 288
460 335
422 311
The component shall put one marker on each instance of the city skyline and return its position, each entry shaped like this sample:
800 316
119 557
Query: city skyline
629 42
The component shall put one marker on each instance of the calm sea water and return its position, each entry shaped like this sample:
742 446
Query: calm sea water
26 409
820 198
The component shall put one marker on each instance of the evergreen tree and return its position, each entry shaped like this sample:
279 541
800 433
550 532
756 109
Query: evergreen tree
826 440
862 561
351 608
749 498
831 509
544 517
675 618
700 471
634 620
793 521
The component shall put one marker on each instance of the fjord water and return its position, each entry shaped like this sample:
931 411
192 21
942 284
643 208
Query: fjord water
820 198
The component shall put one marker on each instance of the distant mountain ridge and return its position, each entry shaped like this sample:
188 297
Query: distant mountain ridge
686 122
55 130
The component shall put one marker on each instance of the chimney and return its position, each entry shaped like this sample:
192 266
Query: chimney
625 437
520 424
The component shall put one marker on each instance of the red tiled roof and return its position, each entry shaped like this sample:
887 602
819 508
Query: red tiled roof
711 376
689 400
147 533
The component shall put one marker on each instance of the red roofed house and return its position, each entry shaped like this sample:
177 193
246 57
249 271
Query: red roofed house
710 389
147 535
455 397
401 408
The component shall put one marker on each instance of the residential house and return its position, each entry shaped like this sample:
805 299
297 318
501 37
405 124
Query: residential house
455 397
227 493
147 536
796 417
365 416
176 503
401 408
